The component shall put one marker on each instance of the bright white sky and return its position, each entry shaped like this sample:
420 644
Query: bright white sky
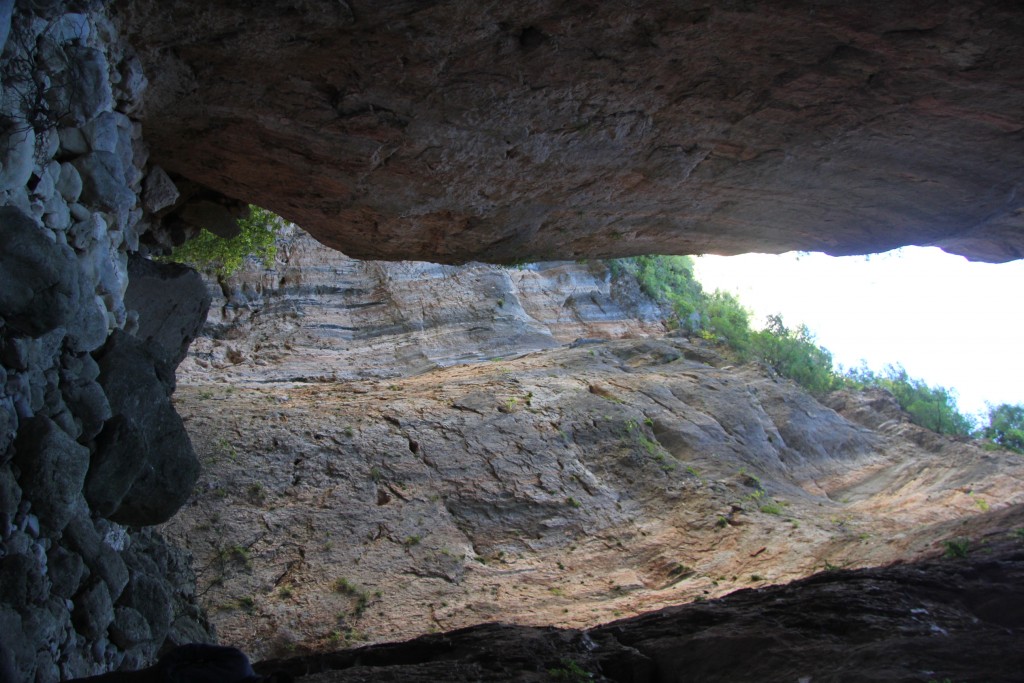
947 320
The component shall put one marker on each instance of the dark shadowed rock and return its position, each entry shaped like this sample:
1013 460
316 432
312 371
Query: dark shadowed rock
129 628
65 570
93 610
103 181
53 468
21 581
10 495
150 431
150 597
116 463
172 303
39 281
102 560
82 394
89 92
457 130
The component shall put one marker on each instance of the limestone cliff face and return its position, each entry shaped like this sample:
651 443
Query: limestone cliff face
565 487
319 314
458 130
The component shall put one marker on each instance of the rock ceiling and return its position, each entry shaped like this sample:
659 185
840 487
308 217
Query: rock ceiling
459 130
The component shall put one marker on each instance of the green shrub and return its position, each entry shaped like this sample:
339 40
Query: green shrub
793 354
933 408
1006 426
257 239
729 321
957 547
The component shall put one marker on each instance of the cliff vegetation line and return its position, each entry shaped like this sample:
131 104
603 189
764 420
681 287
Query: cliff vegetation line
794 354
718 316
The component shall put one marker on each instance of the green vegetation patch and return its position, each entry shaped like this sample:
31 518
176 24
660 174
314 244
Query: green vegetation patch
793 352
257 239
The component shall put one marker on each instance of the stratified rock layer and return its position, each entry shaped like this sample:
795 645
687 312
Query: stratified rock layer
458 130
315 313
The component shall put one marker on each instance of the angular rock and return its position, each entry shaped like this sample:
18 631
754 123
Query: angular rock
10 497
88 330
129 628
17 654
65 570
83 395
39 281
133 85
53 468
70 27
90 91
137 386
172 302
44 625
103 182
6 8
101 132
149 597
21 580
72 141
158 190
17 147
94 610
99 557
69 183
115 465
8 425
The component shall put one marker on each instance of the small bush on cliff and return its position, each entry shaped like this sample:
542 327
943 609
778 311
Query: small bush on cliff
931 407
1006 426
793 354
669 281
257 239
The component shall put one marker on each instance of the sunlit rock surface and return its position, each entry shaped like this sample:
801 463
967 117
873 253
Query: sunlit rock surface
955 620
563 487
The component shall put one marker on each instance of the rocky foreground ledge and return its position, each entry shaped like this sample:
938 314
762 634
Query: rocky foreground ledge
940 620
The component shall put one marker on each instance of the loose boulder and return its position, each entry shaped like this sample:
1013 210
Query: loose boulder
148 439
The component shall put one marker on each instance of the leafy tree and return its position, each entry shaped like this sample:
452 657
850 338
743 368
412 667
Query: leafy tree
667 280
793 354
1006 426
257 239
729 321
931 407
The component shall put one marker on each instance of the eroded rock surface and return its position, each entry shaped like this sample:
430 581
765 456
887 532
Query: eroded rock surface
315 313
956 620
458 130
563 487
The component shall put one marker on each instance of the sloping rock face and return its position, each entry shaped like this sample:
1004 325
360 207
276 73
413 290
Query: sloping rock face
564 487
319 314
457 130
957 621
